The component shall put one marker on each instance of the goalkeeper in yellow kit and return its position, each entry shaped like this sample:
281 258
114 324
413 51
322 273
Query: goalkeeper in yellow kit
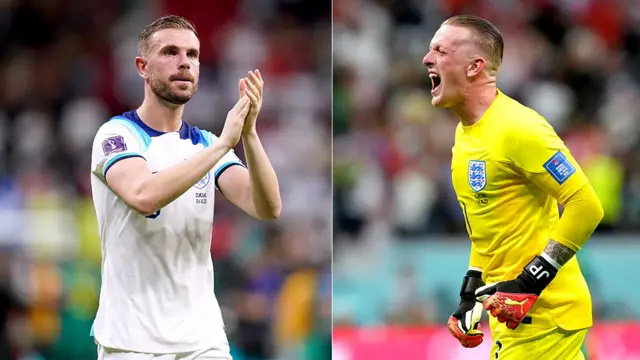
510 169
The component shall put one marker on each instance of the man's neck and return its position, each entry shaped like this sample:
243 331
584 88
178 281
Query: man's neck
476 102
160 116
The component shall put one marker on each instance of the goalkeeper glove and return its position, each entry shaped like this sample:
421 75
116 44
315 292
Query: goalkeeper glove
510 301
464 323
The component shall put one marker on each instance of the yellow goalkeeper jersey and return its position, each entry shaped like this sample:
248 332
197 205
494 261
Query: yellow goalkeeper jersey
508 169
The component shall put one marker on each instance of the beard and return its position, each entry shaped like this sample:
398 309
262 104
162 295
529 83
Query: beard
162 89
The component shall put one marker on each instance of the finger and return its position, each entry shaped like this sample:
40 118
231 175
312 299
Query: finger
256 81
254 99
242 102
237 105
241 87
495 312
246 102
466 340
512 324
477 313
259 76
246 107
487 306
252 86
489 303
483 292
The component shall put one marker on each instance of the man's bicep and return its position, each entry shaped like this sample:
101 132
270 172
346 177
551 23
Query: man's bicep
560 191
560 177
125 178
234 183
541 156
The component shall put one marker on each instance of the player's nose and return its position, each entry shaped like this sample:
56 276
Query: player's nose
184 62
427 60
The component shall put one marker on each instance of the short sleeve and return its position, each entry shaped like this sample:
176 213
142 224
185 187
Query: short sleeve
543 157
228 160
114 141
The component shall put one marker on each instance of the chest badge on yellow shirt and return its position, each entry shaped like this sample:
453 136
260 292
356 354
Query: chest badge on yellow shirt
477 175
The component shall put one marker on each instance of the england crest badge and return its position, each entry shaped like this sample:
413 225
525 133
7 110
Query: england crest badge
202 183
477 174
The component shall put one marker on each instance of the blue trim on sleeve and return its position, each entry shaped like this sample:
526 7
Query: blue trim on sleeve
115 159
135 129
91 333
207 137
222 169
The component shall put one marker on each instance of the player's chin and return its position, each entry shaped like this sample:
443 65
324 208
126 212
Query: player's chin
179 98
184 93
437 101
437 96
183 86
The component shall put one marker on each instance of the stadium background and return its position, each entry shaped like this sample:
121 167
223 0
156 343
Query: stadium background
400 248
65 68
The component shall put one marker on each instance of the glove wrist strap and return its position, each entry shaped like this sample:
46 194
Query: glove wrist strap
538 274
470 283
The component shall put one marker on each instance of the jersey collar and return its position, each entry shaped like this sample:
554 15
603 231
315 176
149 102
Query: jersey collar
186 131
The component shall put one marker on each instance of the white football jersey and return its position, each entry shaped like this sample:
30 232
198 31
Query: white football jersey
157 274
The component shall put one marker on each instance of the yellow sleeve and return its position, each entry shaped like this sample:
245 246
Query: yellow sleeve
582 214
545 160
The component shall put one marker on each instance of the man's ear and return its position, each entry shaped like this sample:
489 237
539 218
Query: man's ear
475 67
141 65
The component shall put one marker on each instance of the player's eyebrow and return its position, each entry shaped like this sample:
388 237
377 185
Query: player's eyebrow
438 47
176 48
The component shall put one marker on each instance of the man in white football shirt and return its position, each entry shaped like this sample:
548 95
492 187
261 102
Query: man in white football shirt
154 181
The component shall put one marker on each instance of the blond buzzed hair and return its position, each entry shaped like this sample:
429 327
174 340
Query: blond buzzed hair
165 22
490 38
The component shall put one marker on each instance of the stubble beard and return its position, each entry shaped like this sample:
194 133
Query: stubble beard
162 89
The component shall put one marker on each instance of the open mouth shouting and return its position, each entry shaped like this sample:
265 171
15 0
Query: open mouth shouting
435 82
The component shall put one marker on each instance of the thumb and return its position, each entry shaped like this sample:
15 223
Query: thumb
242 86
475 316
483 292
470 320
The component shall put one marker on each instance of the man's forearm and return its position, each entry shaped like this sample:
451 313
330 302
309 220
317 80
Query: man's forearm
163 187
265 191
581 216
557 253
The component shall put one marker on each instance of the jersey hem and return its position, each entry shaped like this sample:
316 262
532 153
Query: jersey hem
156 351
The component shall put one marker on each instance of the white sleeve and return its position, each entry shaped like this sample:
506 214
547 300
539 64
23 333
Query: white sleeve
228 160
114 142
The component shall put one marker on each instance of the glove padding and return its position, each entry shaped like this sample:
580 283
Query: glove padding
464 323
510 301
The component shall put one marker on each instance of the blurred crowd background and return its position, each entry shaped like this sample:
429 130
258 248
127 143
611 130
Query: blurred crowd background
68 66
400 245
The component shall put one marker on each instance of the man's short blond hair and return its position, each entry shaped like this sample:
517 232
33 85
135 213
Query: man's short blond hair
490 39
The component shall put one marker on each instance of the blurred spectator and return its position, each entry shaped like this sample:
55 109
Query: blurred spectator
67 66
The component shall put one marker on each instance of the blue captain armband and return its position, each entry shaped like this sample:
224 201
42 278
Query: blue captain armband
559 167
